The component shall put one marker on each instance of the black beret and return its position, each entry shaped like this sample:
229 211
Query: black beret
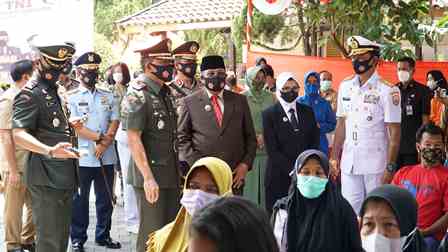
212 62
89 60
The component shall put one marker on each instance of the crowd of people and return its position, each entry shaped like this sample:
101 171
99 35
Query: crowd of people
222 161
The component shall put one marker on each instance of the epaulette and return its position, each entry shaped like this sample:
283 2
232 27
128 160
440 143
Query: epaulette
138 85
349 77
30 85
73 91
104 88
387 83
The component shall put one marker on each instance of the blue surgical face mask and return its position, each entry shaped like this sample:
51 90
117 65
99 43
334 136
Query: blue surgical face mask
311 187
312 89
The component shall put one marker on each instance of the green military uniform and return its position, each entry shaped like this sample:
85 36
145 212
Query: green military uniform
149 107
39 110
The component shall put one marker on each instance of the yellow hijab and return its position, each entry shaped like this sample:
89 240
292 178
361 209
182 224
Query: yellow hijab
174 236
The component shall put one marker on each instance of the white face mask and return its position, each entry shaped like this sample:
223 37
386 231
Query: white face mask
404 76
118 77
325 85
194 200
379 243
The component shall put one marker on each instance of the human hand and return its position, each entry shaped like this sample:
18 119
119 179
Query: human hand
14 179
151 190
260 141
62 150
99 150
335 169
239 175
76 122
387 177
107 140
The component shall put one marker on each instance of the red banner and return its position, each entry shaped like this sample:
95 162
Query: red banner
340 68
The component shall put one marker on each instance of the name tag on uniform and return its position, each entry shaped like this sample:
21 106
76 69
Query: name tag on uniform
83 107
409 110
346 98
371 99
104 100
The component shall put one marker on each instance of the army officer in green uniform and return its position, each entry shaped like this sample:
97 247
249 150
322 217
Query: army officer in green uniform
150 121
40 125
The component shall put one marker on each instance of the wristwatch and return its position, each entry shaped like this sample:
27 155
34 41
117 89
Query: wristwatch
100 138
391 167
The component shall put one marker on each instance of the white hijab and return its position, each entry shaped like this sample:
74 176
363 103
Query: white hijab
281 81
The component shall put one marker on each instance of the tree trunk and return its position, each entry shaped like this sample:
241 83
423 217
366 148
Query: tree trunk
313 41
418 52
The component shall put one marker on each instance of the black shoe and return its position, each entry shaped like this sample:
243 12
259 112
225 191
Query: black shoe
16 250
77 247
109 243
29 247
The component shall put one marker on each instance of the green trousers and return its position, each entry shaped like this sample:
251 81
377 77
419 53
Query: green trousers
154 216
52 215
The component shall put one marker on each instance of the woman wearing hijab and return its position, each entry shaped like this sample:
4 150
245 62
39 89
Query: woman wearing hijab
325 116
260 61
289 128
389 221
319 219
436 82
207 179
259 100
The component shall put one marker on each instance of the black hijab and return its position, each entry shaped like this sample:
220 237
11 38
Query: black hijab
327 223
404 207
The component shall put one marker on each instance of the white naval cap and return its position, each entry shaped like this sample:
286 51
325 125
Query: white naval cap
360 45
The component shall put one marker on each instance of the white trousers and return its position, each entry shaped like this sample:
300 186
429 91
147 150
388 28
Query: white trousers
356 187
130 202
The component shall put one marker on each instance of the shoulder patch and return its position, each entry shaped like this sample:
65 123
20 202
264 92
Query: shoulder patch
349 77
133 101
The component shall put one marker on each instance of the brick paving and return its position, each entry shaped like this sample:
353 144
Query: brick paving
118 231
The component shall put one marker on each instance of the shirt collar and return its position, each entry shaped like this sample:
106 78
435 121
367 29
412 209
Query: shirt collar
288 106
220 95
83 89
151 84
371 81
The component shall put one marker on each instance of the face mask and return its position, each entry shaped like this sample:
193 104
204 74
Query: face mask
194 200
67 68
188 69
118 77
404 76
164 73
325 85
258 84
432 84
311 187
361 67
379 243
215 83
289 96
89 78
50 75
432 156
312 89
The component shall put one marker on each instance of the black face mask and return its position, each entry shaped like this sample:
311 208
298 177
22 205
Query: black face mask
432 156
215 83
289 96
164 73
361 67
67 68
90 78
188 69
50 75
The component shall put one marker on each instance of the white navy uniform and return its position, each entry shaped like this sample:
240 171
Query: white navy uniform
366 109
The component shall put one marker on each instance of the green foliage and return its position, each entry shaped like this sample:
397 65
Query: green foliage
104 48
109 11
212 41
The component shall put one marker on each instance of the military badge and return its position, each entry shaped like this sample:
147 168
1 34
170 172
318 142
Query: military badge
395 98
369 118
91 57
194 49
56 122
285 119
160 124
208 108
62 53
353 43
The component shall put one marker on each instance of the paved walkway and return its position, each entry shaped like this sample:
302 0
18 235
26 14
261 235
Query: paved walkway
118 231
